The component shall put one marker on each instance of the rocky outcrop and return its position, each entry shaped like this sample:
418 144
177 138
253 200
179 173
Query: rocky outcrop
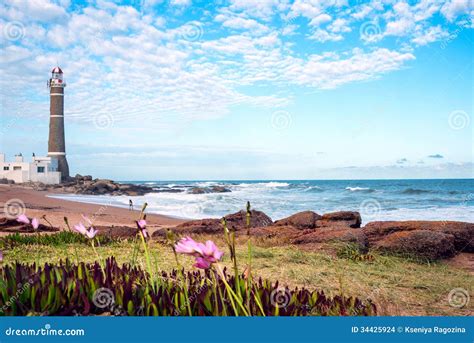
426 244
12 226
281 234
123 232
211 189
235 222
301 220
333 234
200 226
86 185
463 233
341 218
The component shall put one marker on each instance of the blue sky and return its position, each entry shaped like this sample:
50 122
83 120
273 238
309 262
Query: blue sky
244 89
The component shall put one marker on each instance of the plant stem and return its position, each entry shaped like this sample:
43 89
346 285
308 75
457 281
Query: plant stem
231 292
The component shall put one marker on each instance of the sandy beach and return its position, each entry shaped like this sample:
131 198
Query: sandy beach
37 204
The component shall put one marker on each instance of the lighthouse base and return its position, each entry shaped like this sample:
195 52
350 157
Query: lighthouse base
62 166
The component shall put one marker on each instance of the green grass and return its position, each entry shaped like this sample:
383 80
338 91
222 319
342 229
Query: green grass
56 239
398 286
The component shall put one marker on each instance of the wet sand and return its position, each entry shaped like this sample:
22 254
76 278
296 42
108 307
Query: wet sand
37 204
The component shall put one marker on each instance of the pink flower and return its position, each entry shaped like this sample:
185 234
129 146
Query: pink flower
205 254
91 232
23 219
35 223
188 246
80 228
142 226
141 223
212 251
202 263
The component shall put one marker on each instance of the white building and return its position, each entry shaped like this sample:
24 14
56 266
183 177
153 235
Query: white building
40 169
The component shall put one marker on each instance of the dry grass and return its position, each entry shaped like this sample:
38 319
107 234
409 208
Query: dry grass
398 286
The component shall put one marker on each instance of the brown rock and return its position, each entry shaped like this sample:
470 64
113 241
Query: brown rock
200 226
462 232
235 222
427 244
333 234
302 220
341 218
117 231
285 233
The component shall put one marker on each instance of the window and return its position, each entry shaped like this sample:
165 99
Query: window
40 169
6 168
16 167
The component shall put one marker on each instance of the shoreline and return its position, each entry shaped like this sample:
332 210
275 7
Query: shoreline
38 203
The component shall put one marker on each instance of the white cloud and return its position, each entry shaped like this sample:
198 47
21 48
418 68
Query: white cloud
240 23
323 36
339 25
118 60
333 71
454 8
181 3
38 10
399 27
363 12
431 35
263 9
320 19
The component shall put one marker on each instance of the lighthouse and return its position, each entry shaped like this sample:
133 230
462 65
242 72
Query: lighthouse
56 142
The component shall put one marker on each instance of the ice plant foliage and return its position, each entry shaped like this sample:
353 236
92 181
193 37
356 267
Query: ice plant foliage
205 253
68 289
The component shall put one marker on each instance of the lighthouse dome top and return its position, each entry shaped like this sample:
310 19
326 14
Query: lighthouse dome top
57 70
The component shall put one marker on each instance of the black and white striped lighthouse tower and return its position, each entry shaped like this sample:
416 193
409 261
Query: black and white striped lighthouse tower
56 142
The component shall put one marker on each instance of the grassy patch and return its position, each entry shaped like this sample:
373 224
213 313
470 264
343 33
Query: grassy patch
56 239
398 286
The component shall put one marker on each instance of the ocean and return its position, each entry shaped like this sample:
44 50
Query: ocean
450 199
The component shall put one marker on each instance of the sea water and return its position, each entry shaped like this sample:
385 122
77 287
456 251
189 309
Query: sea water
449 199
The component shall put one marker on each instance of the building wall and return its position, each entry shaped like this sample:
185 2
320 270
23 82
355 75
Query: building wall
29 171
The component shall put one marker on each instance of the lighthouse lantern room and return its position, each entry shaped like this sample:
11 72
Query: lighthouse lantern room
56 79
